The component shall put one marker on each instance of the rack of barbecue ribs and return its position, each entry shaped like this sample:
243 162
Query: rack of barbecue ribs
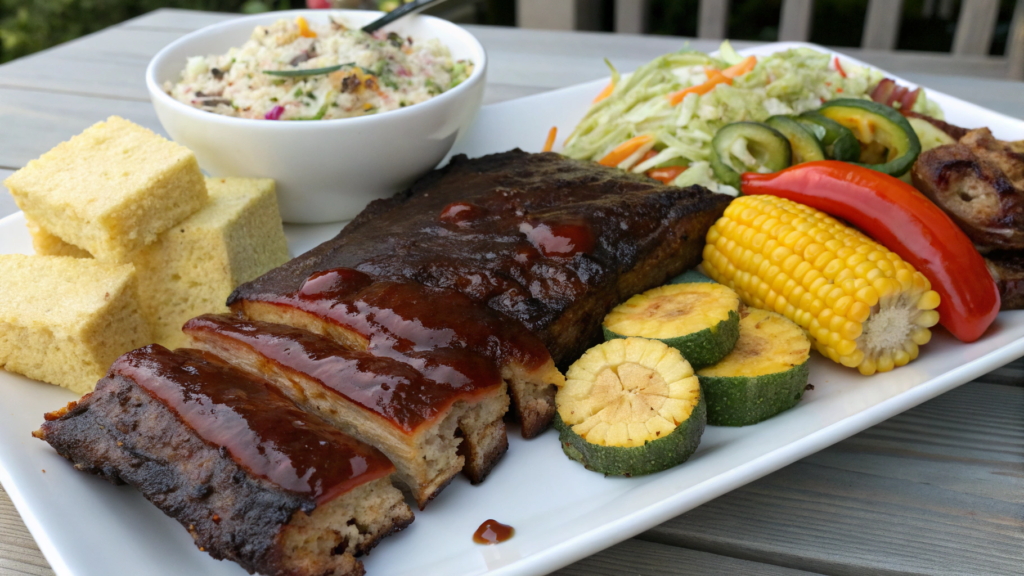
491 253
252 477
393 350
381 401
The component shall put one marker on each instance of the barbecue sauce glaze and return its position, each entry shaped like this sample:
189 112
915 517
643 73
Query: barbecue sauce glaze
397 391
260 428
410 322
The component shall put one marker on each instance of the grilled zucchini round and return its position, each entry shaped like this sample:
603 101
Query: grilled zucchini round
699 319
765 373
630 406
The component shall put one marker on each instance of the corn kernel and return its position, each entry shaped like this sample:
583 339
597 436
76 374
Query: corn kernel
929 301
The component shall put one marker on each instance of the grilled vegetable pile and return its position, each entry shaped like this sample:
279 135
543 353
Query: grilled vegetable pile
862 132
896 214
630 406
862 304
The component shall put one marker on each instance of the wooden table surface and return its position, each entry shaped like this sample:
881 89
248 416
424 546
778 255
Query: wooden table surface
936 490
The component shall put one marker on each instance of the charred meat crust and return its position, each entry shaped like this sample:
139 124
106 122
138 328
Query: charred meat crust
124 435
1007 268
643 232
979 182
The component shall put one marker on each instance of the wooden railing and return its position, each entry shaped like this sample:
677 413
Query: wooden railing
973 37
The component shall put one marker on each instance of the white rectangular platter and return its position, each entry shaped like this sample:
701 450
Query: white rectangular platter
560 511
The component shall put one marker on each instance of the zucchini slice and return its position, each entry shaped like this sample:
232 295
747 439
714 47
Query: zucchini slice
765 373
840 144
805 146
630 406
929 135
699 319
887 142
747 147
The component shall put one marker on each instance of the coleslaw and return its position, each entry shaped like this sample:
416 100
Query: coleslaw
676 103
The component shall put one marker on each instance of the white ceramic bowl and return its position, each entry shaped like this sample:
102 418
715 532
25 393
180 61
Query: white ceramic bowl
326 170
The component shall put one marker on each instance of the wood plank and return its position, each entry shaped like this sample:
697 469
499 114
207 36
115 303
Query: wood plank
938 489
639 557
713 19
630 16
41 120
975 26
795 21
7 205
19 554
176 19
882 24
546 15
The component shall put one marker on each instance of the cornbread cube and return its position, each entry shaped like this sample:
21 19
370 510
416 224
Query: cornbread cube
65 320
47 244
110 190
193 267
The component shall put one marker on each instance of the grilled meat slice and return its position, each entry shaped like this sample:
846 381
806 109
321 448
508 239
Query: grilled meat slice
979 182
1007 269
252 477
386 403
407 321
551 242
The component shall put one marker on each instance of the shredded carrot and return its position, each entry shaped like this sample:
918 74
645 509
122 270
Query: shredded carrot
650 154
740 68
839 68
714 79
304 30
551 139
605 93
625 150
667 174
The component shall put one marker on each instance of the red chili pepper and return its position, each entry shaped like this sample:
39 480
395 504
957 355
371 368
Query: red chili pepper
274 113
902 219
839 68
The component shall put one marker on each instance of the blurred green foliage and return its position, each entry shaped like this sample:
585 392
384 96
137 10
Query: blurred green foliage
27 26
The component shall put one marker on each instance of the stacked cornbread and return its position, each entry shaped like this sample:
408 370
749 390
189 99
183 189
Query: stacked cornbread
120 204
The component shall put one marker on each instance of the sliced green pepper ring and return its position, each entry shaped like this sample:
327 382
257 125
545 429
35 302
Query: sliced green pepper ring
838 141
888 143
748 147
804 144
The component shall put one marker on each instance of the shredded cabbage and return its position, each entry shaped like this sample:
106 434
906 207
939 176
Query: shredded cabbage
788 82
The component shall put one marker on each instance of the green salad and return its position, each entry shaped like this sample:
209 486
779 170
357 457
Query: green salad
667 113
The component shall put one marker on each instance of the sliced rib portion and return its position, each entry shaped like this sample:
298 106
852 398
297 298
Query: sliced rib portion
388 404
252 477
406 320
548 242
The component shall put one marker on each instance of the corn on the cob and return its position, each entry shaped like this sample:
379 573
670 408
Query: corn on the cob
861 304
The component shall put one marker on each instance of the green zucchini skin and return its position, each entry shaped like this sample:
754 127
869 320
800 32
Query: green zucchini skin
746 400
771 149
654 456
839 141
804 144
702 348
888 119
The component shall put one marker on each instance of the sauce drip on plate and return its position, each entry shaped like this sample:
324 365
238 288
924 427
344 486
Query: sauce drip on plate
493 532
